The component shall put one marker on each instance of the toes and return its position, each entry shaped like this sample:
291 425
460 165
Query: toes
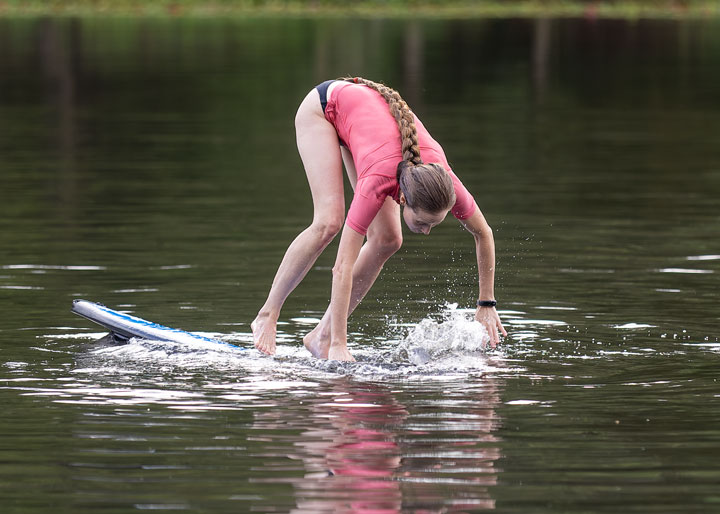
265 348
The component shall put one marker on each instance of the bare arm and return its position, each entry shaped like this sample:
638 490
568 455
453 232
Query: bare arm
485 250
350 244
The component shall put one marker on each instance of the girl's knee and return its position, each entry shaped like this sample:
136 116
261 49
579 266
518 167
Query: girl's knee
327 228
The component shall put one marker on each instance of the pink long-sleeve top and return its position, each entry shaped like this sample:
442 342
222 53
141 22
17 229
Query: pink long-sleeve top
365 126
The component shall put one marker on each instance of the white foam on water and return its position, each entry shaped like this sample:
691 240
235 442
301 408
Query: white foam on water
448 345
523 402
685 270
457 337
453 345
632 326
15 365
185 355
703 258
306 321
138 290
536 322
53 267
710 346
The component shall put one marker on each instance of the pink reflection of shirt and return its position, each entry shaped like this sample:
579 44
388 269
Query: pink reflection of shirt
366 463
364 124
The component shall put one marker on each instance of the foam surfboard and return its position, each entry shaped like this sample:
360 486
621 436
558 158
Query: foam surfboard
124 326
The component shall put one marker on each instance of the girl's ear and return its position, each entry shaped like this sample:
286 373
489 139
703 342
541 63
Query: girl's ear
402 198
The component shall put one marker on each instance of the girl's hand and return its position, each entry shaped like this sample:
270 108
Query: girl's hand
489 318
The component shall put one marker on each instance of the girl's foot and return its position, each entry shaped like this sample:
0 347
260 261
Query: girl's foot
317 343
337 353
264 332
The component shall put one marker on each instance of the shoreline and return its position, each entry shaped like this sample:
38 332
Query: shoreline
371 9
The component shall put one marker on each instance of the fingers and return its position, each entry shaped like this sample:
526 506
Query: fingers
502 329
494 339
492 333
495 329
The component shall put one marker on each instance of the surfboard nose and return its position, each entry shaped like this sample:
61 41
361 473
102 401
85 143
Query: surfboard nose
127 326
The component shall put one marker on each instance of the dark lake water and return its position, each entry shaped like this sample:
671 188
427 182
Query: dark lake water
150 165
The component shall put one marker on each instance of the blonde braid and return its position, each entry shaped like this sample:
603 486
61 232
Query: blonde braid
425 186
402 114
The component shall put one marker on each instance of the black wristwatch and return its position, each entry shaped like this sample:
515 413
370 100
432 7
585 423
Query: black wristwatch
486 303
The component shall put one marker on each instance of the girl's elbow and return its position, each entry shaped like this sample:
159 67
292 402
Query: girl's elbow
483 231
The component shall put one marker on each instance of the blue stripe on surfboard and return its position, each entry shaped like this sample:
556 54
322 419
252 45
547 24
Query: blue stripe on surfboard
137 324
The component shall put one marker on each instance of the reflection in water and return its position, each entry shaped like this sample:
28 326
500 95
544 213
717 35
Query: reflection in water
353 457
364 451
152 145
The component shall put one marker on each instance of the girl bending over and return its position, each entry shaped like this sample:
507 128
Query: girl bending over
391 161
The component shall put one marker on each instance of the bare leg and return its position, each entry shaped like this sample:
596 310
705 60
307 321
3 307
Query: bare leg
384 239
318 146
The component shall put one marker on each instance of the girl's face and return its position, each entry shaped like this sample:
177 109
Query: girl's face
421 222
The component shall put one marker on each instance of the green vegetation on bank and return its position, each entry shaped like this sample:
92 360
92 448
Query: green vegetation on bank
430 8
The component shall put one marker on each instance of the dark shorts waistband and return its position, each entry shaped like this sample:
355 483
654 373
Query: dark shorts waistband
322 89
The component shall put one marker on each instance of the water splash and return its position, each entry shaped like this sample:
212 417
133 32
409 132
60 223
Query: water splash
448 343
455 335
